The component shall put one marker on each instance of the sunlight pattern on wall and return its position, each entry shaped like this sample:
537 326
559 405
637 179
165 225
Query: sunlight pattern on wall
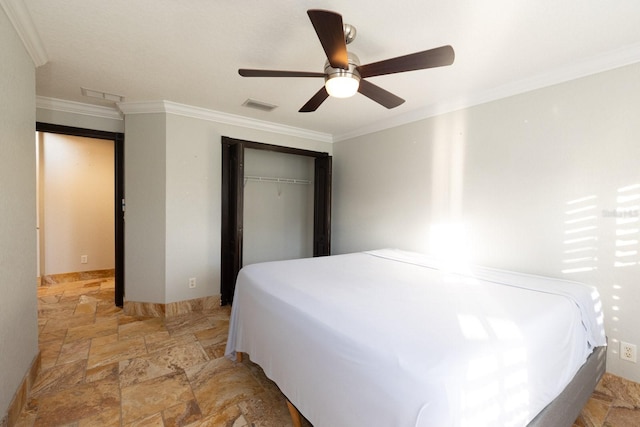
627 225
581 235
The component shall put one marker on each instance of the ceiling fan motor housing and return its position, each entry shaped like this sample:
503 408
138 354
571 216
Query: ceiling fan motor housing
331 72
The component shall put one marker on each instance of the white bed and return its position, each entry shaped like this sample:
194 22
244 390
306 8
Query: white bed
387 338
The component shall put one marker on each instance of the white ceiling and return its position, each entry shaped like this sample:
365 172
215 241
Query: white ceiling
189 51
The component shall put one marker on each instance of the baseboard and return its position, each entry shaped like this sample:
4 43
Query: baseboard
150 309
22 394
54 279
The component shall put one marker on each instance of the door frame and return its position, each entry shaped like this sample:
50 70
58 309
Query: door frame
233 203
118 167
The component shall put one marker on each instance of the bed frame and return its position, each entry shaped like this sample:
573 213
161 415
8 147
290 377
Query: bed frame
562 411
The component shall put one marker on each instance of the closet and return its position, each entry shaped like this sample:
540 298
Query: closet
276 204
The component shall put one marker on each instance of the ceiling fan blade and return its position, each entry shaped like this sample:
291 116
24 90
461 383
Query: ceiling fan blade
276 73
431 58
328 26
379 95
315 101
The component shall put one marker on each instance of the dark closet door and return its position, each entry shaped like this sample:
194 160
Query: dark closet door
322 207
232 207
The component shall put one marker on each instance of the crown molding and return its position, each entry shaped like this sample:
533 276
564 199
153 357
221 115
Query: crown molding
78 108
220 117
614 59
20 18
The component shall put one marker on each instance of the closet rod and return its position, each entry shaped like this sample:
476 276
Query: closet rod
277 180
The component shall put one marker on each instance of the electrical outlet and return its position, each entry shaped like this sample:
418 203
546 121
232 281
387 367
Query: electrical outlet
628 352
192 282
83 259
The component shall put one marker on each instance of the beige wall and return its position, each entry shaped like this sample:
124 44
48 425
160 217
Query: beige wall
84 121
173 191
498 184
77 197
278 217
18 308
145 195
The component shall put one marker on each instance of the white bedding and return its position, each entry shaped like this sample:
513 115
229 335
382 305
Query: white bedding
385 338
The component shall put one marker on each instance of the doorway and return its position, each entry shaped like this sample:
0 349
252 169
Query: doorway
118 192
233 177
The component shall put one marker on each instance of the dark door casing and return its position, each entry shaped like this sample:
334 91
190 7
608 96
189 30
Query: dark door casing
118 147
233 202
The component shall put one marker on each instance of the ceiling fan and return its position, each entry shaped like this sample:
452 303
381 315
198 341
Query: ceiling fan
343 74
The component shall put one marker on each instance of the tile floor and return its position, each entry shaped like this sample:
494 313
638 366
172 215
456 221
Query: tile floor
103 368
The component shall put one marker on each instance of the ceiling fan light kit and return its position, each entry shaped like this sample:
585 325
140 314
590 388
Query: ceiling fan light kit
342 83
343 74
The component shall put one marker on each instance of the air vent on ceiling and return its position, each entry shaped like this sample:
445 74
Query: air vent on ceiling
101 95
258 105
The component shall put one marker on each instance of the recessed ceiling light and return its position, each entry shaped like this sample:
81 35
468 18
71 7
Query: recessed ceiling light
258 105
101 95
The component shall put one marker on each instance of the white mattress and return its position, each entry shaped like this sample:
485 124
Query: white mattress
385 338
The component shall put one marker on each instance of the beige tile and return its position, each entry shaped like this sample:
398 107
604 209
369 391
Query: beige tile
215 335
182 414
57 336
230 416
153 396
75 403
56 311
75 292
164 362
58 378
99 328
41 324
74 350
595 412
68 322
116 351
49 352
623 417
85 308
266 409
104 297
221 383
123 319
48 299
108 285
163 340
154 420
188 324
216 351
104 340
141 328
107 417
106 310
625 393
103 372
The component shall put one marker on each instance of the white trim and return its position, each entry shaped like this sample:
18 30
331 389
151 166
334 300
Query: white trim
220 117
145 107
77 108
20 18
615 59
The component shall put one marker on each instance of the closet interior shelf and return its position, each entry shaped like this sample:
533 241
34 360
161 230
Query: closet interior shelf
277 180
